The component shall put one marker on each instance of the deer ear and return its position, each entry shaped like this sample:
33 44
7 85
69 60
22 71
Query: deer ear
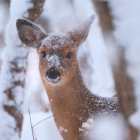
29 33
80 33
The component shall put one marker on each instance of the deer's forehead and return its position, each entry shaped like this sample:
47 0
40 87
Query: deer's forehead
56 42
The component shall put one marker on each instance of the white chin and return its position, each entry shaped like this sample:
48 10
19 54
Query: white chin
54 81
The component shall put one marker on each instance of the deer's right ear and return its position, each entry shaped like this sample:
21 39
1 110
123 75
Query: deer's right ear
30 33
80 33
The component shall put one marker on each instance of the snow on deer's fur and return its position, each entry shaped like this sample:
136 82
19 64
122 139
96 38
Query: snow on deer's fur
71 102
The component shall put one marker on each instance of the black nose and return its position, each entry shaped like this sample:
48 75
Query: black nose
53 73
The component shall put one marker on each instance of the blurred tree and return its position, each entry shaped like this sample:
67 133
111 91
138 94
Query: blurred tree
4 14
123 82
13 71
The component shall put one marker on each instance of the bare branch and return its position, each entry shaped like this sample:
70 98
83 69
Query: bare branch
31 124
42 121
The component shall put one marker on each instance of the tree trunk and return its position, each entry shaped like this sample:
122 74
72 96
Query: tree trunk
123 83
13 71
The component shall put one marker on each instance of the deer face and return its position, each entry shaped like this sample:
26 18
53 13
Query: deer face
57 56
57 53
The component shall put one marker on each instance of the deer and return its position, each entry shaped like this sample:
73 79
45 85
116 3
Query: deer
71 102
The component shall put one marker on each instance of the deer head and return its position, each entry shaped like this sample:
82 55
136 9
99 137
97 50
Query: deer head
57 53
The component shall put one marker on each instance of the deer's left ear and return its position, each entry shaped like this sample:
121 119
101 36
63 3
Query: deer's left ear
80 33
30 33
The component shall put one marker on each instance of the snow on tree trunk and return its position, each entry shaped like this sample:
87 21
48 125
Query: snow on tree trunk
13 71
123 82
127 33
4 14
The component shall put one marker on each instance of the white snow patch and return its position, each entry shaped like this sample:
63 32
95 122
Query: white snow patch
3 16
134 119
35 95
62 129
87 125
108 128
53 60
7 127
20 8
17 9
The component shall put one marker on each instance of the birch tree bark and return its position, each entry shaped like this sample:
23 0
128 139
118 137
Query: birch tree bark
13 71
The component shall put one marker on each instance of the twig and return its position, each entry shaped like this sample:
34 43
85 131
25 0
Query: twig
31 124
42 121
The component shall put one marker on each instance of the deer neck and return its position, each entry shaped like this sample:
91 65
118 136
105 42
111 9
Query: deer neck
72 104
68 104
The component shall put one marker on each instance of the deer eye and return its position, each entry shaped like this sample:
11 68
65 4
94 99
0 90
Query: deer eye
69 55
43 54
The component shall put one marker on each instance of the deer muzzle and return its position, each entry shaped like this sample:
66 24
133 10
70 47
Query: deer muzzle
53 73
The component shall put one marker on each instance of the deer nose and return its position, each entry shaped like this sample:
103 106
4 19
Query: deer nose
53 73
